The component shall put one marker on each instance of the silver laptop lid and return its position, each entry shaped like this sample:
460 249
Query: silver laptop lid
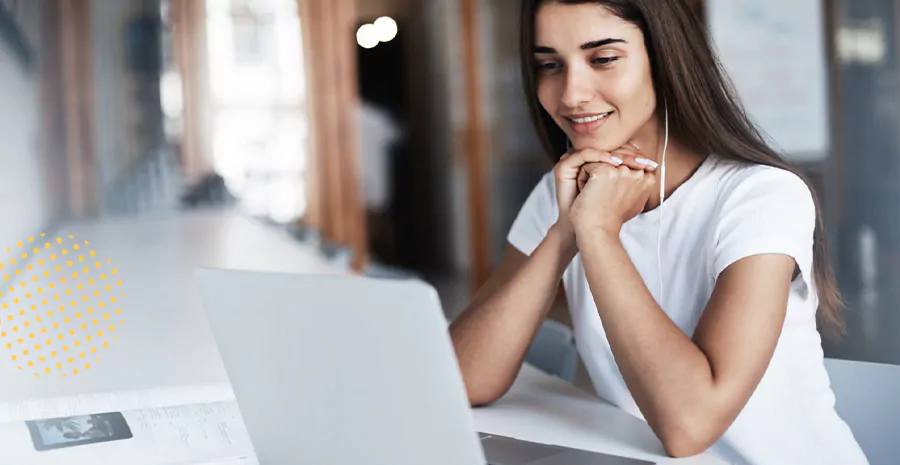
340 370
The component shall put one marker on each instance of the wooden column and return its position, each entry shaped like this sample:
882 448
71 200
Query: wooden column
475 146
336 208
77 81
53 111
313 218
190 53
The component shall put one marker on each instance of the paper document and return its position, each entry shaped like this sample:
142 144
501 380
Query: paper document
160 429
114 402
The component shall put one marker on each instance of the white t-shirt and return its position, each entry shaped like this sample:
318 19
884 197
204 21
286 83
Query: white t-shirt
726 211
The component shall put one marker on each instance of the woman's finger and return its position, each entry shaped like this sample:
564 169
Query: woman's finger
584 156
584 174
588 170
634 159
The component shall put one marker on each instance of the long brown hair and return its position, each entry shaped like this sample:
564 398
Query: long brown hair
706 115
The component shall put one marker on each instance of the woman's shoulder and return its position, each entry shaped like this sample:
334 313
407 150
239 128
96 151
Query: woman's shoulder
741 181
545 185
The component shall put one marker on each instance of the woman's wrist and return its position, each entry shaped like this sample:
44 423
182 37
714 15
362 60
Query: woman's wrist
562 236
587 238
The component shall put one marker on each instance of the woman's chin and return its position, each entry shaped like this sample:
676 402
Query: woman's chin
602 145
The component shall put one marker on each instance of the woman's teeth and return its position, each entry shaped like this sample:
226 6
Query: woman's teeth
590 119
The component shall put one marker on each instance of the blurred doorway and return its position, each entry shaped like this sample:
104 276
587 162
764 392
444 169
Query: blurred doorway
385 164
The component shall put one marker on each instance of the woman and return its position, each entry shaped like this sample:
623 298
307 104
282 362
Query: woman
692 256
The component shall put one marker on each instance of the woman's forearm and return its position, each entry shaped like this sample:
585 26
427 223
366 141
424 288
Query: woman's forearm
667 374
492 336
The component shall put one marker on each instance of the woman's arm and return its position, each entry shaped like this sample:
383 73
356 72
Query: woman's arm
689 390
492 335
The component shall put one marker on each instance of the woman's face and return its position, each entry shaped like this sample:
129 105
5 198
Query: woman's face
593 76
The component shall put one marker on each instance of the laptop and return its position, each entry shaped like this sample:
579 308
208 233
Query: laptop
345 370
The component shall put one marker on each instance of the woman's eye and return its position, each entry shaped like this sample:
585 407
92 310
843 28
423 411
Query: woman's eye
604 60
547 66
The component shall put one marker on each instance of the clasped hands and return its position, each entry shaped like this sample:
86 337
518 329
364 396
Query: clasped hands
598 192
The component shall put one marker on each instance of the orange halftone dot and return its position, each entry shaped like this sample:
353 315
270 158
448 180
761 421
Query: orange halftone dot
18 279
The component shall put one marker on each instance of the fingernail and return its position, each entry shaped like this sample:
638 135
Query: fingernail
636 147
616 160
647 162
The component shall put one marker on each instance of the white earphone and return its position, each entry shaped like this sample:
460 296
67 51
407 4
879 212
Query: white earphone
662 199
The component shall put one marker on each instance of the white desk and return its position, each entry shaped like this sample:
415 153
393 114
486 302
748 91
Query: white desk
546 409
166 341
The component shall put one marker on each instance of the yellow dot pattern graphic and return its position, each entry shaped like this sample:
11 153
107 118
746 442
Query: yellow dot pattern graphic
34 320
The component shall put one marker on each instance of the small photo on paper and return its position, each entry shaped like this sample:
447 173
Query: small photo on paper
56 433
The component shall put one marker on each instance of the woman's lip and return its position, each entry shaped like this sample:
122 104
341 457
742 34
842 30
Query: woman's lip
587 128
585 115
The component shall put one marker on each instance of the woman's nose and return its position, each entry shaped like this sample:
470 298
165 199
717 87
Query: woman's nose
578 88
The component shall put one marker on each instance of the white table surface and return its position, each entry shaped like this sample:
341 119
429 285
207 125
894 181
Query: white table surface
542 408
166 341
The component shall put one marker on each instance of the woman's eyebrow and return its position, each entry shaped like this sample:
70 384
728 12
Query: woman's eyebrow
601 43
543 49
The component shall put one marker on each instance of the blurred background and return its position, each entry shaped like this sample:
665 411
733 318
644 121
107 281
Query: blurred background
392 136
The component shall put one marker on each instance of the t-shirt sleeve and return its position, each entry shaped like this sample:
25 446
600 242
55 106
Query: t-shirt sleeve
771 211
536 217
